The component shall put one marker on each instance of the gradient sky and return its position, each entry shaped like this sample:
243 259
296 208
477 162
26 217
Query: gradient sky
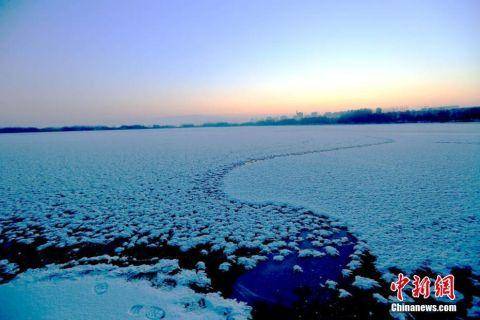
111 62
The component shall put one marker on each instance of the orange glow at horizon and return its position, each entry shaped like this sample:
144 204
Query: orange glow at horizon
342 92
232 58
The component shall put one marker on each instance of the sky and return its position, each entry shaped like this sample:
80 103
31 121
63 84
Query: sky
114 62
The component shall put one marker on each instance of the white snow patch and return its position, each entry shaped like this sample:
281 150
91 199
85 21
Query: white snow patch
225 266
344 293
365 283
331 284
297 268
100 294
310 253
8 267
331 251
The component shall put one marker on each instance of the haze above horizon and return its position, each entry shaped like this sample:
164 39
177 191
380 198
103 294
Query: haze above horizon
112 62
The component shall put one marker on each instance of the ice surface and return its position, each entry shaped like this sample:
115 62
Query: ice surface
71 196
99 197
62 190
100 293
415 201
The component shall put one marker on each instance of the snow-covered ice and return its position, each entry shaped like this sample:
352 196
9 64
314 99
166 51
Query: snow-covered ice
415 201
365 283
104 293
116 195
239 194
145 187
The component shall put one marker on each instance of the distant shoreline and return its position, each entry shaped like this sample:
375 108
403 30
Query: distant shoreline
360 116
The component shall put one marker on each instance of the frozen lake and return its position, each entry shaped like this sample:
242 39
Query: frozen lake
416 201
222 200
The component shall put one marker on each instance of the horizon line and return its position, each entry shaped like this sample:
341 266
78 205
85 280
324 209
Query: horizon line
347 117
253 117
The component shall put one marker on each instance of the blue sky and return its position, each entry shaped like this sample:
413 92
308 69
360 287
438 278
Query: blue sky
88 62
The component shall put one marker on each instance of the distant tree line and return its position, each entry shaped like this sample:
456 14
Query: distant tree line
360 116
81 128
368 116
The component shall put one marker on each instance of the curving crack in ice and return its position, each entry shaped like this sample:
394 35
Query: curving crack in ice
302 153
